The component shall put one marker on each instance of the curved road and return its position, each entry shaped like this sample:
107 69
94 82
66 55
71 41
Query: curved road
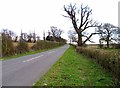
24 71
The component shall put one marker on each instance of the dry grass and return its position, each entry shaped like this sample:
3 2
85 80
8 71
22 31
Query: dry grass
92 46
15 44
30 45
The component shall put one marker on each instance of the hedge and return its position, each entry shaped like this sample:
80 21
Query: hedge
109 60
40 45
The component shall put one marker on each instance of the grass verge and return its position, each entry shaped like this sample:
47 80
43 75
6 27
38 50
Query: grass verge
74 69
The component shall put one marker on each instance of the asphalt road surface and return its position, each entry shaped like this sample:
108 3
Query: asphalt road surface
26 70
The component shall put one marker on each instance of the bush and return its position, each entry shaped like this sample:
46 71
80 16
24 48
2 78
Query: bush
109 60
7 46
22 47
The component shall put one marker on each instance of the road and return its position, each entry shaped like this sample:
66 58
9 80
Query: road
25 70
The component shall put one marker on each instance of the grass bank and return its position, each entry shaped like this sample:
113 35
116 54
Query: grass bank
74 69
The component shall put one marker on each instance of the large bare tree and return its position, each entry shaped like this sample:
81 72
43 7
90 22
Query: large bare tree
81 21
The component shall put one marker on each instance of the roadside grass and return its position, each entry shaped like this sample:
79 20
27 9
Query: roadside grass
74 69
24 54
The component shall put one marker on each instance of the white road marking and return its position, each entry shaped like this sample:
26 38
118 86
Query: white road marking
33 58
50 52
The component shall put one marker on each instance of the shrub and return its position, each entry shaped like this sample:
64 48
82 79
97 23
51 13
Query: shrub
109 60
7 46
22 47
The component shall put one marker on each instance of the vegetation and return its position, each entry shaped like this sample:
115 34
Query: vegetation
106 33
40 45
109 60
12 46
72 36
7 45
55 35
81 24
74 69
25 53
22 47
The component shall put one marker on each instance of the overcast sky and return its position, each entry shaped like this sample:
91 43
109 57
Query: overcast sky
39 15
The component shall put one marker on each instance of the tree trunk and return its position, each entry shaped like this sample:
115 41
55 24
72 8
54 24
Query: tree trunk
80 40
70 41
108 42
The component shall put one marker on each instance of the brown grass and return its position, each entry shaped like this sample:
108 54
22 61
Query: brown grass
15 44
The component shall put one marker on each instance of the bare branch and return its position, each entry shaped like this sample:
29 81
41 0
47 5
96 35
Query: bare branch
88 38
65 16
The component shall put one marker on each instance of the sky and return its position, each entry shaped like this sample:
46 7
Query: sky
39 15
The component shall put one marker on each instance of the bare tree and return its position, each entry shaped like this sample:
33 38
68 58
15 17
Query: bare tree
34 37
53 32
81 21
118 35
29 37
59 32
106 33
16 38
10 34
56 33
72 36
44 35
38 38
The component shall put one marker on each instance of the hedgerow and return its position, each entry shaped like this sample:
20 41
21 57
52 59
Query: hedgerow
109 60
40 45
